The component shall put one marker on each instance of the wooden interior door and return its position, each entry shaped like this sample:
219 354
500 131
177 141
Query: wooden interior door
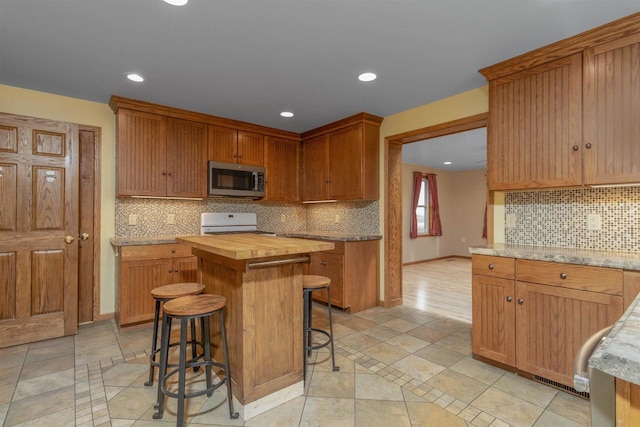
38 229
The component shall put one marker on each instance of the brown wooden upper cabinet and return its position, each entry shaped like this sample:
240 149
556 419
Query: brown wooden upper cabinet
160 156
235 146
340 161
565 115
282 165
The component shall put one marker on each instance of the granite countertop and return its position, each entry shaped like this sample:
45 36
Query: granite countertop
253 246
149 240
316 235
596 258
327 235
619 353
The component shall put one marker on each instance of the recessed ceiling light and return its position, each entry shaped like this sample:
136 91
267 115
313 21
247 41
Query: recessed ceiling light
447 163
177 2
286 114
134 77
367 77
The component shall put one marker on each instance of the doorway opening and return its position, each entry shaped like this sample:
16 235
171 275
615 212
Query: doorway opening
393 201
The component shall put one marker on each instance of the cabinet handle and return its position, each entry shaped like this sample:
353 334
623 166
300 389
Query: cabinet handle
491 267
588 146
509 299
520 301
575 148
563 276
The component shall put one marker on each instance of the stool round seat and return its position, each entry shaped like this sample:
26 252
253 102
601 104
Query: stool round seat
194 305
161 295
310 281
176 290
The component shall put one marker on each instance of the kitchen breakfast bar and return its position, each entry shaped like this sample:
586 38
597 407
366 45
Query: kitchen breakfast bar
261 278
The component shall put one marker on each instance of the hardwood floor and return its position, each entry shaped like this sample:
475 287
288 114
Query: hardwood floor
441 287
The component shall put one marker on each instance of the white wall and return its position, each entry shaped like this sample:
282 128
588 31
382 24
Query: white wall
462 197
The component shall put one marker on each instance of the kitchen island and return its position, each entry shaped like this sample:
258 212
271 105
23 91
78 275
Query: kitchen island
261 278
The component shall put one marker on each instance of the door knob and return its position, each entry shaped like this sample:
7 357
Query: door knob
84 236
68 239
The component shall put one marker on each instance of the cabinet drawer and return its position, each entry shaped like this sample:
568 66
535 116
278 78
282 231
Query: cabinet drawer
142 252
593 279
493 266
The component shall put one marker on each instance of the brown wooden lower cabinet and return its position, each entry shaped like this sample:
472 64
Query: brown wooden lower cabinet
627 403
144 267
535 316
353 270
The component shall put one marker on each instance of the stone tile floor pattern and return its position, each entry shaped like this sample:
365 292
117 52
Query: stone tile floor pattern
398 367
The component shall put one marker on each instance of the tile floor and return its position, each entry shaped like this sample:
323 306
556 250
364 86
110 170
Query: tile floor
398 367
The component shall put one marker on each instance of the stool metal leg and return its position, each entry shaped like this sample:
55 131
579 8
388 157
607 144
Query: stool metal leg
333 359
182 371
227 372
194 342
154 345
162 371
206 343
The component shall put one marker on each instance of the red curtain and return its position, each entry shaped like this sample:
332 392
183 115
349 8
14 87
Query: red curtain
484 229
436 225
417 186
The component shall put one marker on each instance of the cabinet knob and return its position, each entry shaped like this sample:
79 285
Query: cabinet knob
588 146
563 276
164 173
173 251
575 148
509 299
175 270
520 301
491 267
170 271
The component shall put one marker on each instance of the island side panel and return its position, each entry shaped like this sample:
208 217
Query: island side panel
263 322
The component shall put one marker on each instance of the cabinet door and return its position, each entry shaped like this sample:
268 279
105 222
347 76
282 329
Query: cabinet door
315 167
141 154
535 127
250 149
223 144
346 172
331 266
282 164
493 318
137 279
185 270
552 323
612 108
186 158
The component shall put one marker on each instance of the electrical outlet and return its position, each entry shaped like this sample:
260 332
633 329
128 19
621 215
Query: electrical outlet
133 219
510 221
283 218
594 222
171 218
337 218
464 239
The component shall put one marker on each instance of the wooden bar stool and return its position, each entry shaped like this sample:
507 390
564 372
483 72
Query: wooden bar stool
185 309
161 295
312 283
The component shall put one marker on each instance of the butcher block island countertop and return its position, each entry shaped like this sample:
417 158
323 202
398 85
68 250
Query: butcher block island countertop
261 278
253 246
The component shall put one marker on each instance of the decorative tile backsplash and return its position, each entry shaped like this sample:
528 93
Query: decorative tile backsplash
559 218
354 217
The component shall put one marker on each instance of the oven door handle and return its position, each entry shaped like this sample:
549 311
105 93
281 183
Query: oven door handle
254 177
581 361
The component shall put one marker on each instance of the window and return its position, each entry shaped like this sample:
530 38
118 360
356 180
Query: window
422 210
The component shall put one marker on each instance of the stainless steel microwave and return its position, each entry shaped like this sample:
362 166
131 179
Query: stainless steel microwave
233 180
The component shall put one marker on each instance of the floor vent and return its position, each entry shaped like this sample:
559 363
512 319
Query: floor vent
561 386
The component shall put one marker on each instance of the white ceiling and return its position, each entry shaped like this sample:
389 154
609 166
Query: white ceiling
249 60
465 150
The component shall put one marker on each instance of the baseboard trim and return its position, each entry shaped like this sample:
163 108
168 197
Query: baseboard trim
436 259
